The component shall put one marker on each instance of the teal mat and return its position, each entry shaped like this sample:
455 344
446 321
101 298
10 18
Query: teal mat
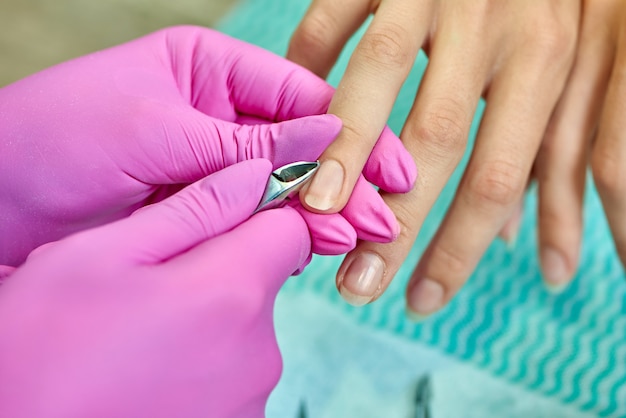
570 347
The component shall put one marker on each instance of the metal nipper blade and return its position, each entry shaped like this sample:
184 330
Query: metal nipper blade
285 182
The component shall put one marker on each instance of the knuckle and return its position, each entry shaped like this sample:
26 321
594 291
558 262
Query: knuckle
387 46
454 267
498 183
355 131
442 129
552 41
608 172
406 210
191 212
311 37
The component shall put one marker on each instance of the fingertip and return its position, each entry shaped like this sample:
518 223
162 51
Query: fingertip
369 214
555 266
560 232
390 166
330 234
360 278
414 316
555 289
424 297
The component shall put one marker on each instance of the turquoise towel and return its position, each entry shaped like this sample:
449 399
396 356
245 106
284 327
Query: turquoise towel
570 348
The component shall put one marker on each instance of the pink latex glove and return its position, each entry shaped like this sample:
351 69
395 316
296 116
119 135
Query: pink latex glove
91 140
167 313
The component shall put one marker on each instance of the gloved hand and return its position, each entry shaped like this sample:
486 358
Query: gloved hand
89 141
167 313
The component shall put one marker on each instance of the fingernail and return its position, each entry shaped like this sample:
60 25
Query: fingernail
414 316
555 272
555 289
425 298
325 188
362 279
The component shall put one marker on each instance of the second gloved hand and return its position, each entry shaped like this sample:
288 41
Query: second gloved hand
167 313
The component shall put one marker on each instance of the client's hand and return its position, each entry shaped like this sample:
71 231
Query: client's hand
517 54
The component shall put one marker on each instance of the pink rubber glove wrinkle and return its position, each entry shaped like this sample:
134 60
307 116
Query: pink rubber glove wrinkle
91 140
391 167
165 313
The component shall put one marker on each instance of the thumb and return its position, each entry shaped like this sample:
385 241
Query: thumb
197 213
208 145
260 254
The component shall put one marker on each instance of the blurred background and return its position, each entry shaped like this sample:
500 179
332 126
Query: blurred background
35 34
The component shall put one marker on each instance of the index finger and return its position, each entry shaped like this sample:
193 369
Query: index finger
365 96
323 32
213 71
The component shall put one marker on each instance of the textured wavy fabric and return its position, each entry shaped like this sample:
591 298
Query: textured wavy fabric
569 347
